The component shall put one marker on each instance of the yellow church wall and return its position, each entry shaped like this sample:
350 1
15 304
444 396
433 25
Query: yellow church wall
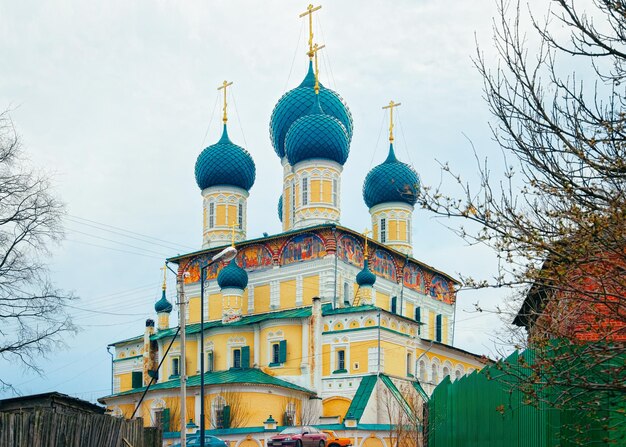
297 194
257 406
335 406
173 403
315 195
262 298
286 208
232 215
191 352
327 191
127 410
402 230
382 300
410 310
215 307
293 335
431 325
358 354
326 360
194 309
394 358
444 331
220 215
392 229
222 353
126 381
310 289
375 231
288 294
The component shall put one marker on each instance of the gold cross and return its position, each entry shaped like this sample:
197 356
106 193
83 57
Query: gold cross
390 107
309 11
365 233
164 268
316 48
223 87
232 235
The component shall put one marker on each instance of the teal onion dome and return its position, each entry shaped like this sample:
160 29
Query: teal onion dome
365 278
280 208
317 135
297 102
391 181
225 163
232 277
163 305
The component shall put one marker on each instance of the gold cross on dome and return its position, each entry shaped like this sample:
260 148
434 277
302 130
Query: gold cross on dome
164 268
223 87
316 48
390 107
365 233
309 12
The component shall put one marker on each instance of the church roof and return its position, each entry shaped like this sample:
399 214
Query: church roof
232 276
365 277
297 102
240 245
317 135
391 181
250 376
225 163
163 305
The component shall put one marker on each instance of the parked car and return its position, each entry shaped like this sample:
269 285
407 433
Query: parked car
209 441
332 440
298 437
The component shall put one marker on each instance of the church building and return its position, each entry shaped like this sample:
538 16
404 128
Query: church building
318 325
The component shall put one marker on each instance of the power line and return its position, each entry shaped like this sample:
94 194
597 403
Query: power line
174 244
116 242
115 249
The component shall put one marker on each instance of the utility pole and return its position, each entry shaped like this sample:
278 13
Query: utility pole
182 312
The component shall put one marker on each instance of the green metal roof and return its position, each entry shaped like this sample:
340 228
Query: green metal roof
300 312
361 397
395 392
251 376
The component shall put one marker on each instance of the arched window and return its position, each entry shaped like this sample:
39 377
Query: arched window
335 192
409 364
383 230
422 371
217 412
446 371
211 214
240 216
346 293
457 374
434 377
305 191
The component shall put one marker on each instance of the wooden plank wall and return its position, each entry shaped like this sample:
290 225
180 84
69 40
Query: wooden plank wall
46 428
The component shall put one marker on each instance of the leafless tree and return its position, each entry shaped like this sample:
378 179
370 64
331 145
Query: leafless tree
556 219
404 412
238 410
33 313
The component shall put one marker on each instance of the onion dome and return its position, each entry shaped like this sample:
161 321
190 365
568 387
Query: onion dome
297 102
232 277
317 135
280 208
163 305
391 181
225 163
365 278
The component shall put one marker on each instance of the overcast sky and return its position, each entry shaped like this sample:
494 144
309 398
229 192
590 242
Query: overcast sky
114 100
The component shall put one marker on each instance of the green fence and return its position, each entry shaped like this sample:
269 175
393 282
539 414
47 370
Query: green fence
496 408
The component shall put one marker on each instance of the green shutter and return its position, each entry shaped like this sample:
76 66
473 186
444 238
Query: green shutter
137 381
165 419
226 417
394 305
245 356
438 327
209 366
418 314
282 351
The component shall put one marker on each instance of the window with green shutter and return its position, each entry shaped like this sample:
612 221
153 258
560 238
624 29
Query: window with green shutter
226 417
245 357
282 351
438 328
165 419
209 361
236 358
394 306
418 318
137 381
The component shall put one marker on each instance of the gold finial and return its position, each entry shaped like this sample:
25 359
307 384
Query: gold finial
390 107
223 87
316 48
309 11
164 268
365 233
232 233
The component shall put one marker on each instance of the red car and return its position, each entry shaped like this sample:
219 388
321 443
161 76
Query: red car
298 437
